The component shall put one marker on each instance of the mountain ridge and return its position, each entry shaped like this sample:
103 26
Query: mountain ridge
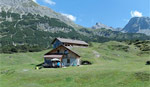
29 6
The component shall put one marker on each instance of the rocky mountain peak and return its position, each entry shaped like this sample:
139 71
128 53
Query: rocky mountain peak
138 25
100 25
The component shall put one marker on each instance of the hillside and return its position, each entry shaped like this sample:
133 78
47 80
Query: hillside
115 64
16 29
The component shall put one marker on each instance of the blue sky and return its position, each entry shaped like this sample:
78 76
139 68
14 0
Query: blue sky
115 13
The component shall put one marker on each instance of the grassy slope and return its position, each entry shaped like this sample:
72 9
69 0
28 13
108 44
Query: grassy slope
111 68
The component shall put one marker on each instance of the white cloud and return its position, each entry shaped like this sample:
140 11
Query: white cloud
50 2
34 1
136 14
71 17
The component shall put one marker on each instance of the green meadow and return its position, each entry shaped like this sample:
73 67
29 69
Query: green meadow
114 64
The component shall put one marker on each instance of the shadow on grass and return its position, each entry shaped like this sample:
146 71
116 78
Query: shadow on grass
41 64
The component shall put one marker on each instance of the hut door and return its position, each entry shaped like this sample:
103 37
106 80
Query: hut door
68 62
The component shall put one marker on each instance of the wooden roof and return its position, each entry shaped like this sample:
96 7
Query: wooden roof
63 47
63 40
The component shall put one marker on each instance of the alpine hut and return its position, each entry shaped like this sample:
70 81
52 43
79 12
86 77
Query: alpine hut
62 55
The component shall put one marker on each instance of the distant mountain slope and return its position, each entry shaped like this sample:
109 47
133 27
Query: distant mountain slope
138 25
31 29
28 6
112 35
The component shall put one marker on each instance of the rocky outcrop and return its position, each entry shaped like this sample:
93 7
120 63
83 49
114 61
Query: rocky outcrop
100 25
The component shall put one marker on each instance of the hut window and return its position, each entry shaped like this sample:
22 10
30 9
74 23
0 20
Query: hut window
68 60
66 52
